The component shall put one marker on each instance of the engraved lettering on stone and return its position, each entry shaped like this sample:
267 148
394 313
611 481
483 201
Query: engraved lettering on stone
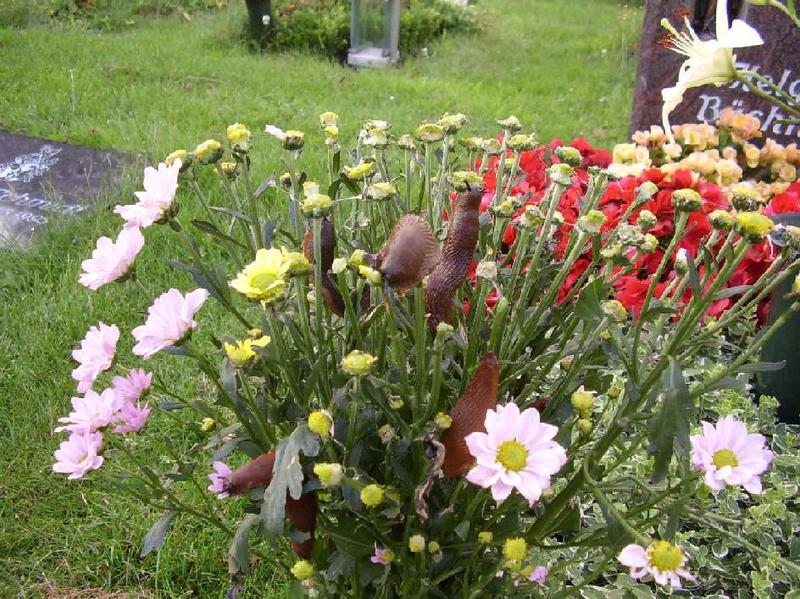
28 167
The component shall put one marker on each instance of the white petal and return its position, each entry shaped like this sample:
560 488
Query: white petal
740 35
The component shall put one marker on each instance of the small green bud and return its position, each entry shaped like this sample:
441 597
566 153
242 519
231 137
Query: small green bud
569 155
687 200
647 220
561 173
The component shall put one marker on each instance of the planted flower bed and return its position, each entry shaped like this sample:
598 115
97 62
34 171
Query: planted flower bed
455 366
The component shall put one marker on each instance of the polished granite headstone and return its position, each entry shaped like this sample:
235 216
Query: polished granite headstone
42 180
778 59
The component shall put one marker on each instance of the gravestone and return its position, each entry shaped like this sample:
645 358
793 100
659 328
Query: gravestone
42 180
778 59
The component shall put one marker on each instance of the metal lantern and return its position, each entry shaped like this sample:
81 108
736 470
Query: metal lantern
374 33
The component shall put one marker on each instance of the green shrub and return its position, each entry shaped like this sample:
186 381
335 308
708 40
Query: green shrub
324 26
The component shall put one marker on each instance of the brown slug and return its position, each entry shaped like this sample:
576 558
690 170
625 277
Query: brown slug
410 253
469 415
330 292
457 253
302 513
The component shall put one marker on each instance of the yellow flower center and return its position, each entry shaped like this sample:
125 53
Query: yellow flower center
664 556
725 457
512 455
263 280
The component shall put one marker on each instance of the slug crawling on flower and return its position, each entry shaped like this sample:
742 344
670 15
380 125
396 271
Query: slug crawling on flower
459 247
469 414
410 253
330 292
302 513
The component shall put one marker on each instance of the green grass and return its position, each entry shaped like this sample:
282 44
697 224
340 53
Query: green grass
564 66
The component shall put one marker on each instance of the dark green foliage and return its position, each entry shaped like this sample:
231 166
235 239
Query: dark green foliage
324 26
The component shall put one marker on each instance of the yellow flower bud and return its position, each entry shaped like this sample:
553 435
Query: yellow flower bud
443 421
754 226
510 123
303 570
721 219
294 140
239 137
372 276
687 200
451 123
208 424
181 155
328 119
584 425
208 152
381 191
515 549
416 544
317 205
330 475
360 171
485 537
358 363
582 399
429 133
372 495
434 547
464 180
320 422
331 135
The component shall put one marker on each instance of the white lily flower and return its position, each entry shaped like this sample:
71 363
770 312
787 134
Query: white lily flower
709 61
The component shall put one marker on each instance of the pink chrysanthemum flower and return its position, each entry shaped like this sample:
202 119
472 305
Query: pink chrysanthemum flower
169 320
131 387
661 559
516 451
79 454
155 202
133 417
95 355
730 456
218 479
382 556
111 260
91 412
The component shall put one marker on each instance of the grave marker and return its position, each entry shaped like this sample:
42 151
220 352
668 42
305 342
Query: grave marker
41 179
778 59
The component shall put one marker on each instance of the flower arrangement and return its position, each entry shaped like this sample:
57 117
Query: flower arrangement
457 366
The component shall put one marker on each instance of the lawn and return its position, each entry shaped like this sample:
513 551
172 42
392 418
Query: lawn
563 66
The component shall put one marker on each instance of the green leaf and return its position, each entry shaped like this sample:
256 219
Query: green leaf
154 539
211 229
239 552
287 477
588 305
669 428
763 366
616 534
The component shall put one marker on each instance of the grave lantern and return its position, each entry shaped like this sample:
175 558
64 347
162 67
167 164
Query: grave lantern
374 33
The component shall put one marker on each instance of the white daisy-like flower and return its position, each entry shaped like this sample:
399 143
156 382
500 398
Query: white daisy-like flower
729 455
517 451
660 559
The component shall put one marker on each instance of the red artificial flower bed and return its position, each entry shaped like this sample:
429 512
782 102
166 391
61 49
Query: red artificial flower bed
630 289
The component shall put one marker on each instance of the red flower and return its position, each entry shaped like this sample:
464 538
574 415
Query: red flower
788 201
631 291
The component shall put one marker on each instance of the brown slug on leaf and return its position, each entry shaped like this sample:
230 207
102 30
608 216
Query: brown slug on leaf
302 513
410 253
457 253
330 292
469 415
